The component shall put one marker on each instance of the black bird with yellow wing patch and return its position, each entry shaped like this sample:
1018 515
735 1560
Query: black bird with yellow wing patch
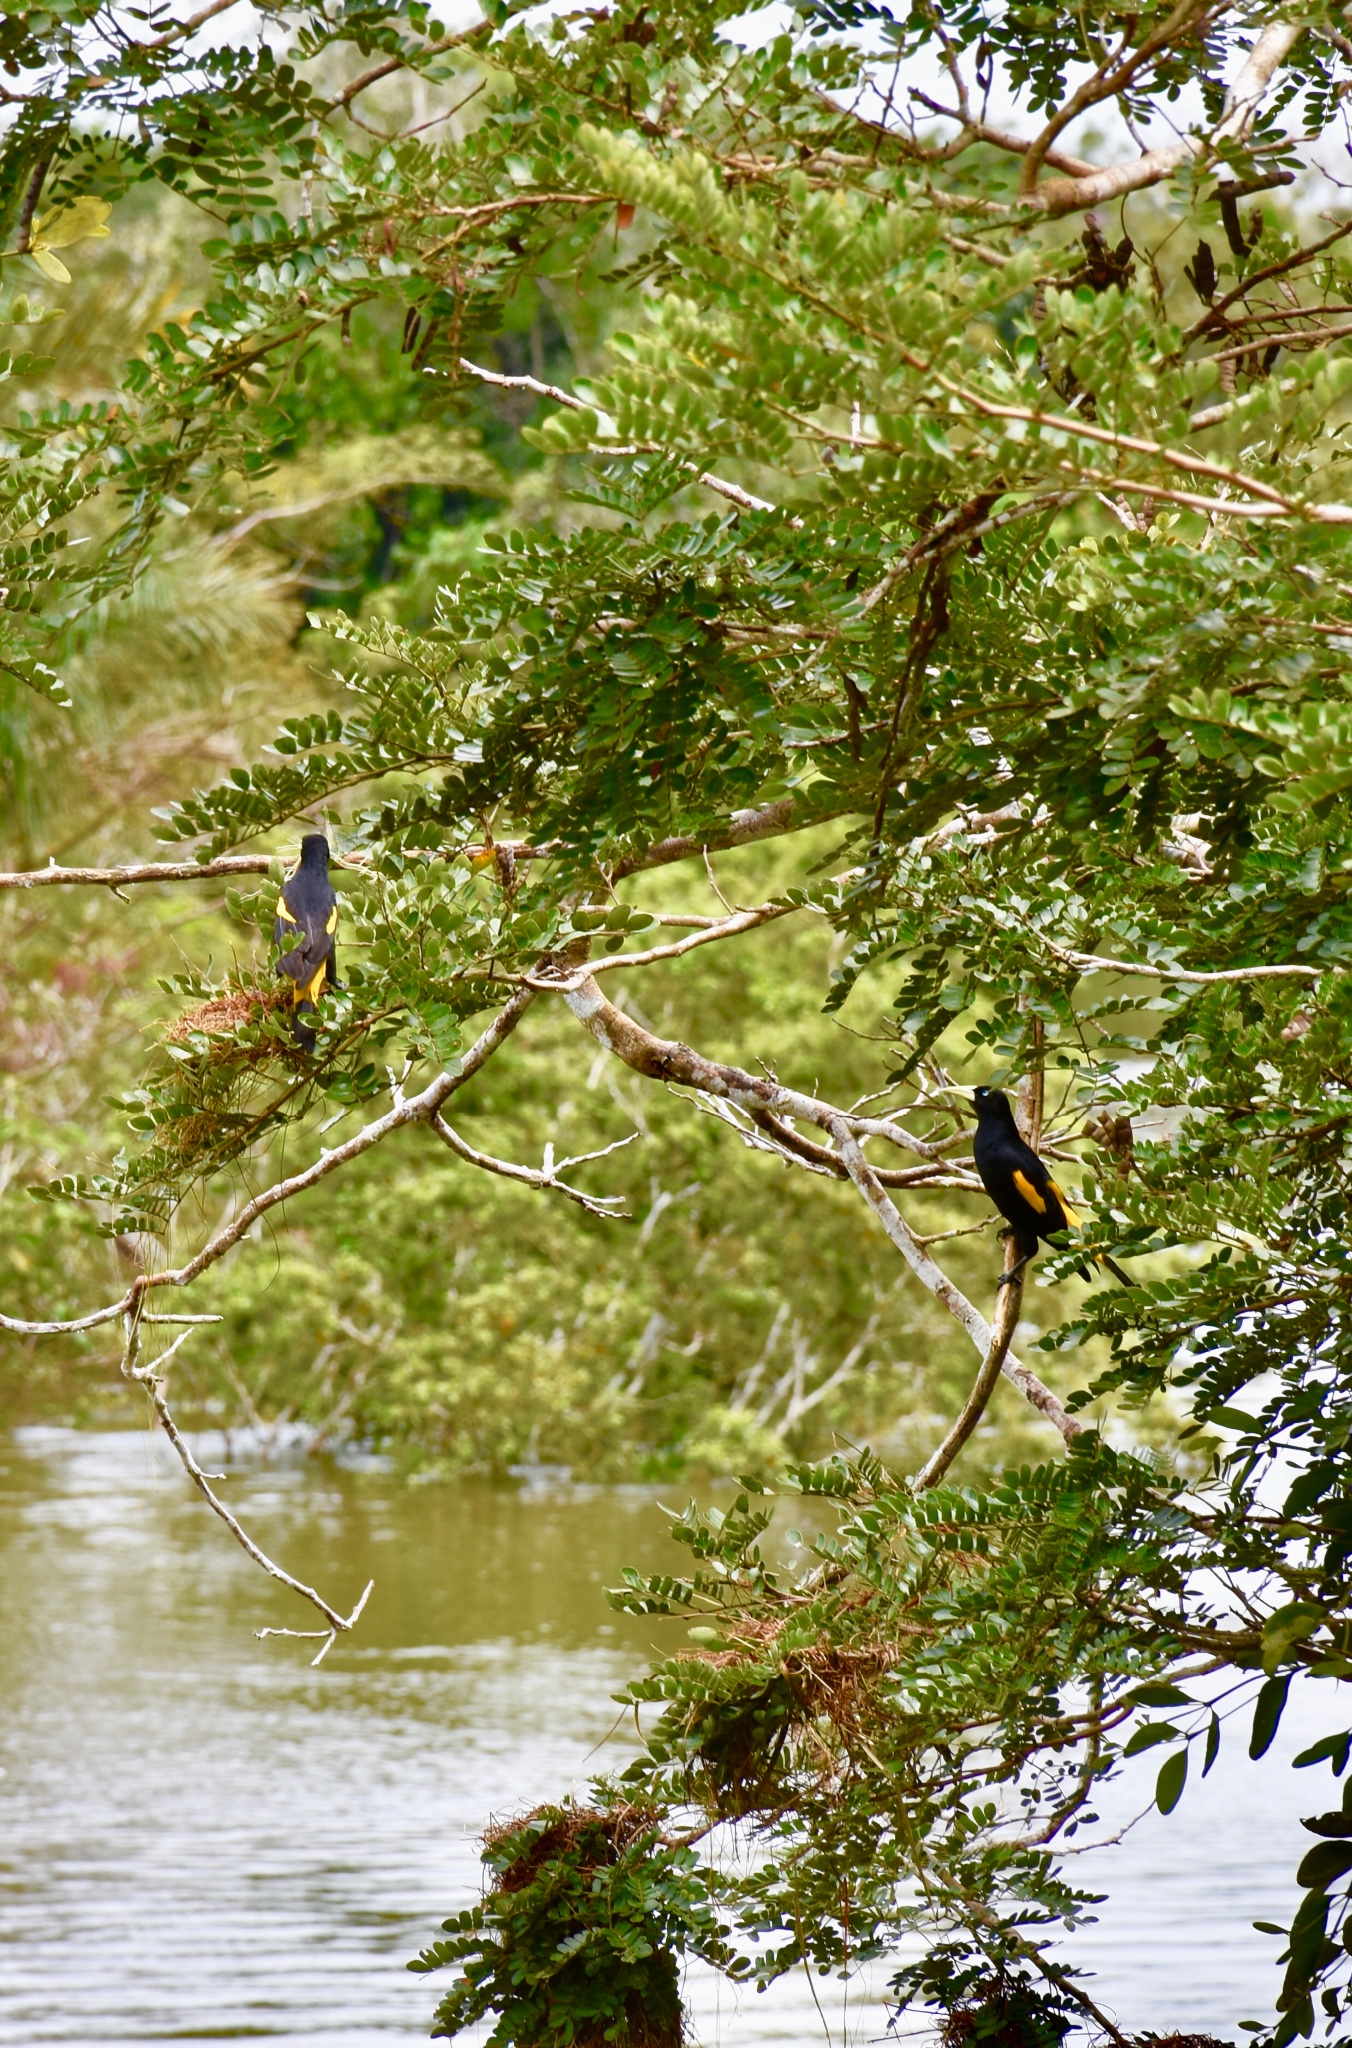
306 926
1018 1183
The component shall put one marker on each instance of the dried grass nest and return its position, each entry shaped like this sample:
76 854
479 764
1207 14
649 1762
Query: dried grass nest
567 1825
652 2017
826 1675
220 1016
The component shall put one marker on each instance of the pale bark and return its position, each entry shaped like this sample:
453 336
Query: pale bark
734 493
150 1378
411 1109
143 871
1058 196
661 1059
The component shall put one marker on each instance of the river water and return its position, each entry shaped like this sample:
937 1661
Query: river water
203 1839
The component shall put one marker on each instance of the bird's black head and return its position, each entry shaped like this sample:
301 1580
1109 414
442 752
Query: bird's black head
992 1102
314 851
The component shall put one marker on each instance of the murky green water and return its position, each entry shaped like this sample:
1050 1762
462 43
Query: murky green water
203 1839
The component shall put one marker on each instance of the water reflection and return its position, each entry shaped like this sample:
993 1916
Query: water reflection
203 1839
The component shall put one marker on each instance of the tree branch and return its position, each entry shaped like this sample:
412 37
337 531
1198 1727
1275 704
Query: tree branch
1113 75
719 928
410 1110
150 1377
742 829
662 1059
1060 196
1160 970
1133 444
400 63
546 1176
190 26
718 484
767 1133
992 1365
23 235
1034 1390
147 871
973 131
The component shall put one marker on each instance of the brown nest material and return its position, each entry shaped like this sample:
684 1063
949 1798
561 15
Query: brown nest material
827 1678
565 1828
189 1135
645 2015
219 1016
1181 2041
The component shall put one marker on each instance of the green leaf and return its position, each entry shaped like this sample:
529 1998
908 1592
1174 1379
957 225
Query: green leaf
1333 1749
1288 1626
76 221
1149 1736
1230 1418
1267 1713
1173 1776
1213 1743
1324 1865
1337 1825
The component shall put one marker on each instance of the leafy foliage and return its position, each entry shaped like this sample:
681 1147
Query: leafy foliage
578 1938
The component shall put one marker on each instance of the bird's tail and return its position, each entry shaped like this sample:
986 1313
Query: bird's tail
301 1029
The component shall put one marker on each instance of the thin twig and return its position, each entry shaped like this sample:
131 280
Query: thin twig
1164 970
724 928
410 1110
540 1177
667 1060
733 492
188 27
150 1378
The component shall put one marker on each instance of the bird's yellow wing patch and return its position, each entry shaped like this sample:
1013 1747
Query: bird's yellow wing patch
282 912
1072 1215
332 924
1029 1192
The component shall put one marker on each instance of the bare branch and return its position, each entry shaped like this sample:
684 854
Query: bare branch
733 492
189 27
667 1060
1133 444
546 1176
146 871
1014 145
150 1377
764 1132
402 63
742 829
992 1365
1060 196
723 928
1113 74
410 1110
1163 970
1246 95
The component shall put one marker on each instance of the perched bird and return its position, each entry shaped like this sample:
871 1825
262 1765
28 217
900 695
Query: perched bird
307 919
1019 1184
